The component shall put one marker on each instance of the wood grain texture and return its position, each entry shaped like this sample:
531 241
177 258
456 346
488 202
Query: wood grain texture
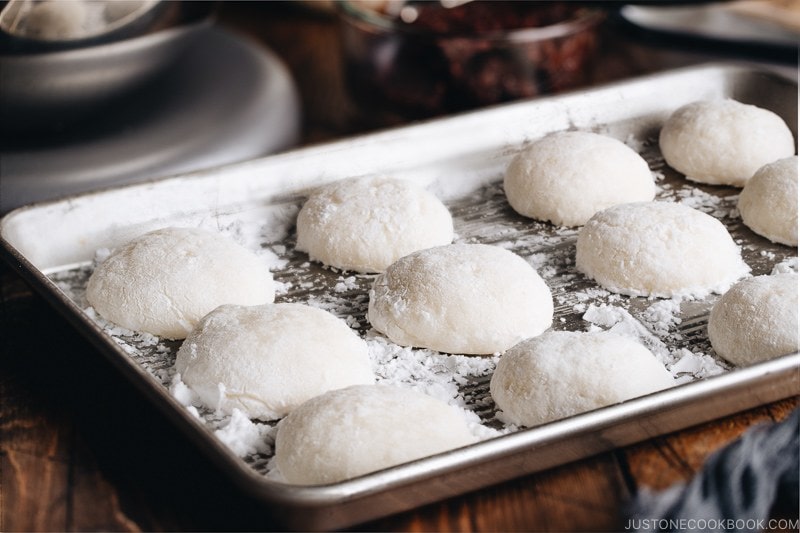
81 450
307 40
583 496
664 461
35 491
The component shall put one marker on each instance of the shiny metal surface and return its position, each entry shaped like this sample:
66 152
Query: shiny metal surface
43 91
14 16
454 157
240 88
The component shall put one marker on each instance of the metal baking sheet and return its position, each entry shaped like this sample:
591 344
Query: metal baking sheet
462 159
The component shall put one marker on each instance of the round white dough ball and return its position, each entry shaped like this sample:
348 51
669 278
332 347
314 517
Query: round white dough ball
756 320
354 431
57 20
768 202
723 141
563 373
165 281
266 360
366 224
658 249
567 177
460 298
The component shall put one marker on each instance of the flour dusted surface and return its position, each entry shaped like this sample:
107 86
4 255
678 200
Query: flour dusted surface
266 360
562 373
350 432
460 298
756 320
768 202
567 177
658 249
724 141
365 224
165 281
673 329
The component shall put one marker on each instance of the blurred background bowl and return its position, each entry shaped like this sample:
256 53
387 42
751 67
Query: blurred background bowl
422 59
56 25
43 92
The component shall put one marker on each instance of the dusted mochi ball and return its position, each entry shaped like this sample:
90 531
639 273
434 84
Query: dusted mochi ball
658 249
165 281
365 224
756 320
567 177
354 431
460 298
723 142
266 360
57 20
563 373
768 202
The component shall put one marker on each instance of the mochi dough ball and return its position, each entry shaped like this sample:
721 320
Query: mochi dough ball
266 360
165 281
60 19
366 224
723 142
361 429
756 320
658 249
563 373
768 202
460 298
566 177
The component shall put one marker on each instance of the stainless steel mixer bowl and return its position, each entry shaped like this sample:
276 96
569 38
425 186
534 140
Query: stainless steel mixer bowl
49 91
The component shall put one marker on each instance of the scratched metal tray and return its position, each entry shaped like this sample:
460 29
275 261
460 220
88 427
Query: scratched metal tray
462 159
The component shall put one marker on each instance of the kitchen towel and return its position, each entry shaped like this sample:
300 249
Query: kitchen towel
735 490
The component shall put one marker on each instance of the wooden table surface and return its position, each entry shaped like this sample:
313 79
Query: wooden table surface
81 451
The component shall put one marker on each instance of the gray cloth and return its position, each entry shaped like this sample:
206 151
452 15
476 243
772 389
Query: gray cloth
736 488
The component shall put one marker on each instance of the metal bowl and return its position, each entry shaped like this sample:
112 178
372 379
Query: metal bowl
50 91
53 25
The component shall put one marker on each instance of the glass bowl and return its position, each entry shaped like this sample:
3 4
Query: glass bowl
422 59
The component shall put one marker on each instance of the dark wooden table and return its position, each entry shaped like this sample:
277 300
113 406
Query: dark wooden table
81 451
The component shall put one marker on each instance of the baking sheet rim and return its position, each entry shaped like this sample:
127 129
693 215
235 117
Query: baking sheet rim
320 497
